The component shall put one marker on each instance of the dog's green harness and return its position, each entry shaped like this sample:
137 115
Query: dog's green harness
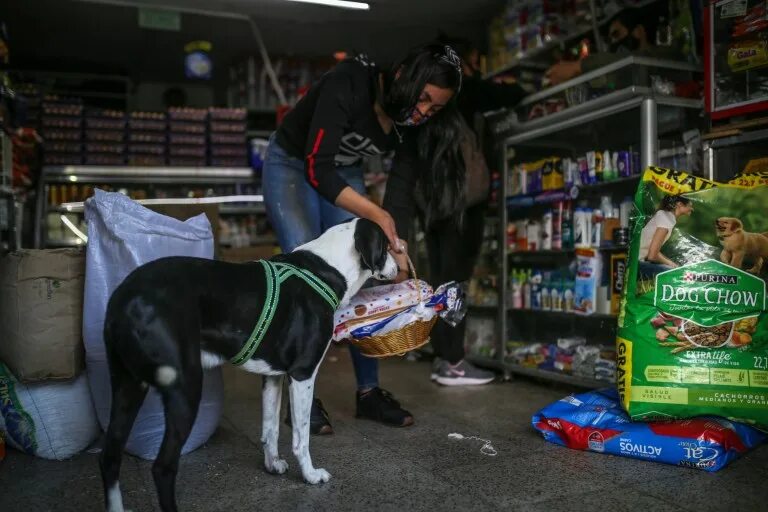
276 274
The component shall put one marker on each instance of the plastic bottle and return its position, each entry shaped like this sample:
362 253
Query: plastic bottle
597 228
517 290
547 231
625 211
527 290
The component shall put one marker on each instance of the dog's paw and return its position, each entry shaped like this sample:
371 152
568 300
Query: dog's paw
277 466
317 476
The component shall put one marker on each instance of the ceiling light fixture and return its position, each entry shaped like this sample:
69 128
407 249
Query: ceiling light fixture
344 4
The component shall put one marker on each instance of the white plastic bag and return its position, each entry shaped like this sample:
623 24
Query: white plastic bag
51 419
123 235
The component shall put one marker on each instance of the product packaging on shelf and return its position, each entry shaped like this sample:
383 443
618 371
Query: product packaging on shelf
588 268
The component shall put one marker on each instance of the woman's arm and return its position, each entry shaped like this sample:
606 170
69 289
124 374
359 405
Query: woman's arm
654 250
361 206
329 120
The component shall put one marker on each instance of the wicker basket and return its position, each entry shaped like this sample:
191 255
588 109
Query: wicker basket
401 341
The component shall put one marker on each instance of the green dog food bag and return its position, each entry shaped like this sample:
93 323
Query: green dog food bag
693 334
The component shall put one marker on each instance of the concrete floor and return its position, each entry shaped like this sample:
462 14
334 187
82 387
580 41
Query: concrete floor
379 468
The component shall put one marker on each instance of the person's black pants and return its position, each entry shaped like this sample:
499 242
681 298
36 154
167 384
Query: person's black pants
453 252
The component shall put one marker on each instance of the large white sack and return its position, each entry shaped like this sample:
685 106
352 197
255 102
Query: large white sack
51 419
123 235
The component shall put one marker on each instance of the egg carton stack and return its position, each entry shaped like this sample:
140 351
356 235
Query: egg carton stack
146 139
104 137
61 126
227 137
187 137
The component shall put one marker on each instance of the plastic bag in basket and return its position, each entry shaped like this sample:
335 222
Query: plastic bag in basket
383 309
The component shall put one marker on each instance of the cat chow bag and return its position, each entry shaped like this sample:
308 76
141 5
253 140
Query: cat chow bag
693 333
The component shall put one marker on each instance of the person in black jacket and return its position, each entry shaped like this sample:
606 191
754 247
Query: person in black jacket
453 235
313 180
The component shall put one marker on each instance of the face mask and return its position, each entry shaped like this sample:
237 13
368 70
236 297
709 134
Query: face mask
627 44
408 119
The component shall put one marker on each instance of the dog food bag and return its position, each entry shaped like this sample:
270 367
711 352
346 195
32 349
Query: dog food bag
693 333
595 421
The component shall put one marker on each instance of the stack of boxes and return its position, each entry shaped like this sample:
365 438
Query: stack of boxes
146 139
183 137
61 125
186 137
227 135
104 137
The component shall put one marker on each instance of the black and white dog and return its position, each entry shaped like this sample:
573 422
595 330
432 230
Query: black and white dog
173 317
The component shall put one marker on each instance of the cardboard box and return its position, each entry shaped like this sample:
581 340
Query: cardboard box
41 313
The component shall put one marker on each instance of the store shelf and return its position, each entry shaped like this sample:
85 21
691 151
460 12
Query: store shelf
553 196
526 58
562 314
524 200
741 138
234 209
128 174
554 376
563 378
483 309
607 105
561 252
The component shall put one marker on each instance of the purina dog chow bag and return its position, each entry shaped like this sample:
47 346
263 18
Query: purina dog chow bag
693 333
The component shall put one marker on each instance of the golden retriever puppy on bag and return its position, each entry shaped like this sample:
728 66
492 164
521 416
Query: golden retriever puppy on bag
739 245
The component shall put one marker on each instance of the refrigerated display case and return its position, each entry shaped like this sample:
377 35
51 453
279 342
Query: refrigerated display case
736 57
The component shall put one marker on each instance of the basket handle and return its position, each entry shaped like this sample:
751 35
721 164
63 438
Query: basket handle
412 269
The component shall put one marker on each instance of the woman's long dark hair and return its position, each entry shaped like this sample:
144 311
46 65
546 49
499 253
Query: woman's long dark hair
438 139
669 203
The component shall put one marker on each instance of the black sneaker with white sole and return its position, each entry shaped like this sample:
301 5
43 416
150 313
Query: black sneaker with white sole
463 373
379 405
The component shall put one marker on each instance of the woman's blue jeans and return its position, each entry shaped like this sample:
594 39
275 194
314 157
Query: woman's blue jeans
299 214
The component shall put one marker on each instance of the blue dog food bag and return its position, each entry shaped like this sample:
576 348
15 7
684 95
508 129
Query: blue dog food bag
595 421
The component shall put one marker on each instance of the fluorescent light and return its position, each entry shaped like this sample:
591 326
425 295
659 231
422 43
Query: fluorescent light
344 4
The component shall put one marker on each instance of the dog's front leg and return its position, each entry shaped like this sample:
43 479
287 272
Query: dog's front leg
271 397
737 259
725 256
302 393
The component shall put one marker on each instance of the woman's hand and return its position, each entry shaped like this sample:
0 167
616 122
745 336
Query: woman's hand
361 206
401 258
387 223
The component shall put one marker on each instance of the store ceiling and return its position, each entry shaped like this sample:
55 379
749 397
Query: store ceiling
97 37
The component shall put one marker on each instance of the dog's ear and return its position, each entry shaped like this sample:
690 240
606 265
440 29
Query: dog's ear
371 243
736 224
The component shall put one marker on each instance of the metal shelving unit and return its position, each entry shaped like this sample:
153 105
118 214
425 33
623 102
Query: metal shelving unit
150 176
725 156
631 116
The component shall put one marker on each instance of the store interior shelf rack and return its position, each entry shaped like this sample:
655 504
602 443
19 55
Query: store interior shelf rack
537 57
149 176
635 116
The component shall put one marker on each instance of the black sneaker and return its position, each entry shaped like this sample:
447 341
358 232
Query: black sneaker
379 405
319 421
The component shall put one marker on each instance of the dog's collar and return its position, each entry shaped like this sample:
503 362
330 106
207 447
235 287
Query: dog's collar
276 274
724 236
